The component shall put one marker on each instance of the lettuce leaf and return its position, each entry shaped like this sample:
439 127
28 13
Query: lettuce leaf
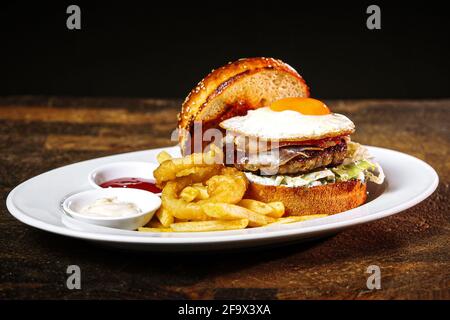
362 169
356 152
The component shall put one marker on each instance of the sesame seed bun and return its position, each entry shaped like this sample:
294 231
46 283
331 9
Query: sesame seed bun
235 88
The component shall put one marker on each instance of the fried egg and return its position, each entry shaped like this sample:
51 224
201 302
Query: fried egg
268 124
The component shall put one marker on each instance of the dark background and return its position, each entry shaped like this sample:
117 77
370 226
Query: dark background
134 50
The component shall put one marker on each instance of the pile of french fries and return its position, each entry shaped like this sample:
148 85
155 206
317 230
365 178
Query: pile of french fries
224 216
216 216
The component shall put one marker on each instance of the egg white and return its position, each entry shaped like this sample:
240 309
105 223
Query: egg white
264 123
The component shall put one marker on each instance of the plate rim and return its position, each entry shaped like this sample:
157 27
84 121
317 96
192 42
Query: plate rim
213 238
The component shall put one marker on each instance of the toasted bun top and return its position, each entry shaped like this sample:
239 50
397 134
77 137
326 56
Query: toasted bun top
234 89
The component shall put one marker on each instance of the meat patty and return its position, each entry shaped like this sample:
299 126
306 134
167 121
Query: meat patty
332 156
304 162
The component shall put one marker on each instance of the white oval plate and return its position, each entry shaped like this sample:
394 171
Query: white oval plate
37 202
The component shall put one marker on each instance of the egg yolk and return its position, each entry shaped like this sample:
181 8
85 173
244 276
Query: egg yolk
306 106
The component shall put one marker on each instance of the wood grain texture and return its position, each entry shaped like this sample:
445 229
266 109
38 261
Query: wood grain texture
42 133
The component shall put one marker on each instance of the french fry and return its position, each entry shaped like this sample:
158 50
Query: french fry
163 156
189 194
186 172
225 211
212 225
202 191
165 217
278 209
154 223
256 206
146 229
292 219
194 215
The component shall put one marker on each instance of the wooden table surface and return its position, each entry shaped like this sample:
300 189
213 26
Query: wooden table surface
411 248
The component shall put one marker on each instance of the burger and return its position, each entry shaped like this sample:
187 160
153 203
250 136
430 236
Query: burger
291 147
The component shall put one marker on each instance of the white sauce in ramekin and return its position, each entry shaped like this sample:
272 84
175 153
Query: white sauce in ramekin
110 207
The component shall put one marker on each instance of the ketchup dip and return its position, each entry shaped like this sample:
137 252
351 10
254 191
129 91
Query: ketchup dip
135 183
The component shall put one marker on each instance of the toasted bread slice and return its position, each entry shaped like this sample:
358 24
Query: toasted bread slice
234 89
327 199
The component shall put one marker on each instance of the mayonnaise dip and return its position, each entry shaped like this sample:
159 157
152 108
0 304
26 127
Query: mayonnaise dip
110 207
